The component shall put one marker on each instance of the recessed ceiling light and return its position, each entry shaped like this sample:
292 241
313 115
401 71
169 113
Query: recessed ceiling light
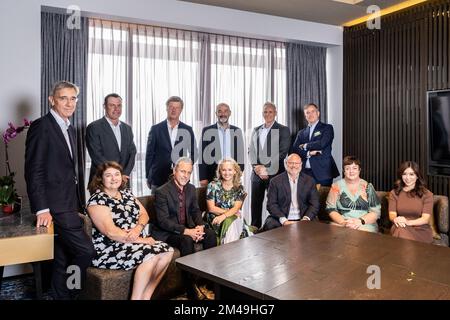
349 1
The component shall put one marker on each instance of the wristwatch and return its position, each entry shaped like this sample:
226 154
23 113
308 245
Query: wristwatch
362 221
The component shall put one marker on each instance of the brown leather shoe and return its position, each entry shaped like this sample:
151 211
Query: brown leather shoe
198 293
208 294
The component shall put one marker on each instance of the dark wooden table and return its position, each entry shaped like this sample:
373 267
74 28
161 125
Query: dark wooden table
313 260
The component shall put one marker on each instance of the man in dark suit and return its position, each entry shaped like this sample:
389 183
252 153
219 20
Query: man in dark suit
109 139
313 144
51 173
292 196
179 220
219 141
167 142
269 146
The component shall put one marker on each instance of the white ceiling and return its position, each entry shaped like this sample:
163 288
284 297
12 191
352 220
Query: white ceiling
322 11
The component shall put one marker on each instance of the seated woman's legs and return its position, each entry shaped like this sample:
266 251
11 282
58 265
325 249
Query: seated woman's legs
146 274
163 261
142 277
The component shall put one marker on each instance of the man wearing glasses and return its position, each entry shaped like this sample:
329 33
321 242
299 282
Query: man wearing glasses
51 174
292 196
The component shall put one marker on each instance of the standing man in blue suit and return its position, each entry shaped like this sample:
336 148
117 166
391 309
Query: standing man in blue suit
313 144
109 139
51 174
168 141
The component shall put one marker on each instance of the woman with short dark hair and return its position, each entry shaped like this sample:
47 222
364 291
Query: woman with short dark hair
352 202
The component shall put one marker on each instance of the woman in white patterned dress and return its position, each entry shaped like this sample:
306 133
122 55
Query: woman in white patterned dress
119 234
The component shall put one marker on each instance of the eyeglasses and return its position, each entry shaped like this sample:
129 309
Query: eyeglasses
67 99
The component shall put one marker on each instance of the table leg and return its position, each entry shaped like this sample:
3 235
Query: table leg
217 291
38 279
1 276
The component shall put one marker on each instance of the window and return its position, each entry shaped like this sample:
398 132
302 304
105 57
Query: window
146 65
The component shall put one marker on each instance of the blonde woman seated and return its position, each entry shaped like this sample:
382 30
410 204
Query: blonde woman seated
352 201
224 198
410 205
118 233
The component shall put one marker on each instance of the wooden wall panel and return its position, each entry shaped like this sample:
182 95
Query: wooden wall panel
386 75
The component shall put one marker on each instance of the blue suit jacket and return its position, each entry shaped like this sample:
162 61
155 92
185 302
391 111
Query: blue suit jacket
159 158
322 165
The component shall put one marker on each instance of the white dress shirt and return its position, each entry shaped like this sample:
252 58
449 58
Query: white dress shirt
172 133
311 130
294 209
116 131
225 141
263 132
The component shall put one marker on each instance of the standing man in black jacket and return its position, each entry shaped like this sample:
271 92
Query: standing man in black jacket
51 173
269 146
219 141
109 139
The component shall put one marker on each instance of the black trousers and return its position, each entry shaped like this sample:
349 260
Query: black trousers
186 244
73 252
259 187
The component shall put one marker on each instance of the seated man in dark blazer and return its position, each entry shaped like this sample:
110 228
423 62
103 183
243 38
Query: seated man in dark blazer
292 196
109 139
178 218
313 144
219 141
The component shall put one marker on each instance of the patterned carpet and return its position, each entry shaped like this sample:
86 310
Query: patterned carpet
23 288
19 288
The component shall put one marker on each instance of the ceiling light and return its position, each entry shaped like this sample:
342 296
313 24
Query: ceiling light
349 1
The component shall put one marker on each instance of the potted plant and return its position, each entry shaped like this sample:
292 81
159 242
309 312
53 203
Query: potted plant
9 199
8 195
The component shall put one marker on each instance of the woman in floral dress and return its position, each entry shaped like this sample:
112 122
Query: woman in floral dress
352 202
224 198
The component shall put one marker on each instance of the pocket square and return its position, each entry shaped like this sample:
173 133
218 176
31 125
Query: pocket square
317 133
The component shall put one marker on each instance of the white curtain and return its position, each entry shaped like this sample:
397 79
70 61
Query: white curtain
147 64
245 73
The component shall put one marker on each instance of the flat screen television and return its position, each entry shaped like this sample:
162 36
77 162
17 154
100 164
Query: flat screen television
438 113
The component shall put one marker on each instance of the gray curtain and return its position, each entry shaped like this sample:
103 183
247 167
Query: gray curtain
64 57
306 82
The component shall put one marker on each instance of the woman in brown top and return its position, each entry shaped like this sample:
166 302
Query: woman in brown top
410 205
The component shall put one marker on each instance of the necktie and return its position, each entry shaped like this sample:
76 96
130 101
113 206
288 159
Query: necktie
181 209
308 133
